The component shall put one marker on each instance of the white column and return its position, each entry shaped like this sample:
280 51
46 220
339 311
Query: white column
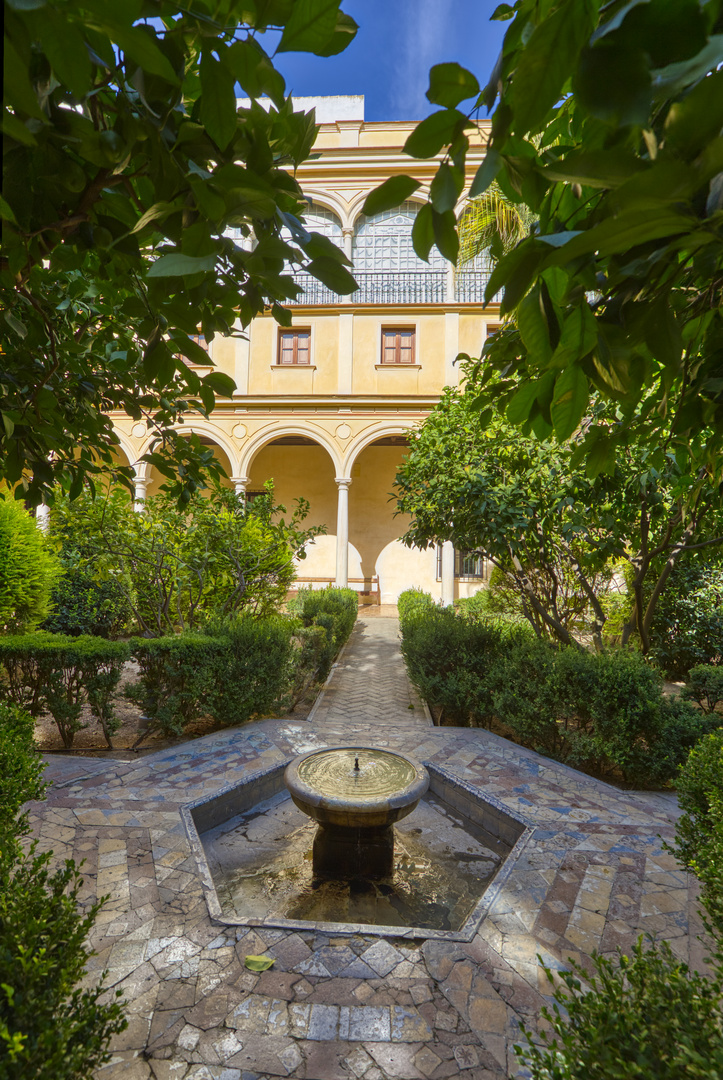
348 239
239 484
447 573
342 533
42 517
450 283
141 487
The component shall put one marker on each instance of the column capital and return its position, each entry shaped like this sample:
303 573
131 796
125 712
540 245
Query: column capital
240 483
342 481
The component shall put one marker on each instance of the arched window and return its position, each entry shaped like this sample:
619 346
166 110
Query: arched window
384 242
319 219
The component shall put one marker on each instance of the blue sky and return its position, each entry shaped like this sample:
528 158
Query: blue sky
390 57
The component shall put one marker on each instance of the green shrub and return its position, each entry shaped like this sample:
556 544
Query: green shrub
60 674
28 570
480 609
705 686
645 1017
238 669
49 1027
412 601
253 668
83 604
448 661
336 610
309 644
520 684
699 832
688 626
601 712
177 678
21 768
615 718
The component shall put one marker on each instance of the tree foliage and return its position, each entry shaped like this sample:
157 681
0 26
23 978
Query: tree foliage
606 123
29 569
180 566
532 510
126 162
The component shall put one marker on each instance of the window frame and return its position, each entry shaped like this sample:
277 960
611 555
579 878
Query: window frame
398 330
460 559
295 362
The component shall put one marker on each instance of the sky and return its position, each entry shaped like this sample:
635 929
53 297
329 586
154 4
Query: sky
396 44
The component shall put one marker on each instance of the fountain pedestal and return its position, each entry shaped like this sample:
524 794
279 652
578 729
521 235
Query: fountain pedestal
355 794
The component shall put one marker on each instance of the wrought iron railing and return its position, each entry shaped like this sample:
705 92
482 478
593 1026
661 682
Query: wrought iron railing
397 287
470 285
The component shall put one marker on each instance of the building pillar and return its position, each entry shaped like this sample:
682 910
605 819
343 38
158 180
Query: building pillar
447 573
141 487
239 484
348 245
342 533
42 517
449 283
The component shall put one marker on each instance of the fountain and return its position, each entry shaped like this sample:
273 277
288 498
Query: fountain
330 842
355 794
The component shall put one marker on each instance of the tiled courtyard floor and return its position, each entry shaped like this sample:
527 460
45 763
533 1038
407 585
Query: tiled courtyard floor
594 876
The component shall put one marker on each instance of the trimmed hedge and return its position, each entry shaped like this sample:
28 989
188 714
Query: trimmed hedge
237 671
334 609
58 674
413 601
602 713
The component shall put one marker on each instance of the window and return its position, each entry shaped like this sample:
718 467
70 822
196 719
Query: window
398 345
294 347
384 242
468 565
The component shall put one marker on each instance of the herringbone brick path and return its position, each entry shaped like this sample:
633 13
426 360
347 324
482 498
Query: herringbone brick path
369 686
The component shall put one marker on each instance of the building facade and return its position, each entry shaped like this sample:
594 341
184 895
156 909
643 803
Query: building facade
325 408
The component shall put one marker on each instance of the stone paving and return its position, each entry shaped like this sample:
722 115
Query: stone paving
333 1007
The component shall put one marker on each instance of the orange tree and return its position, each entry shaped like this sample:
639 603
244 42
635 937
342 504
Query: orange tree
126 162
606 123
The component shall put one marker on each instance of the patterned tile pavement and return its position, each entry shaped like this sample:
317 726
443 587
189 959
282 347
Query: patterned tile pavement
335 1007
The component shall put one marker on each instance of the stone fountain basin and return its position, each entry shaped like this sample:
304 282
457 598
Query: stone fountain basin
357 809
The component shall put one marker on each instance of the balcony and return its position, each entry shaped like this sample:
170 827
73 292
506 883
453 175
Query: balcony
397 287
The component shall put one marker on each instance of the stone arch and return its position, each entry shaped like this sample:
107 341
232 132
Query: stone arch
198 427
146 475
368 437
124 444
266 436
328 201
355 204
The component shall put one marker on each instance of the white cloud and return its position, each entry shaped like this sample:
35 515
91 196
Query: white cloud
423 32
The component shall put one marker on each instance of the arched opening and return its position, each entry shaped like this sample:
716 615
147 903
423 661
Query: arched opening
156 479
374 530
300 467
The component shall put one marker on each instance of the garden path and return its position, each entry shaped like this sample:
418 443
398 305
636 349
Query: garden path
594 874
